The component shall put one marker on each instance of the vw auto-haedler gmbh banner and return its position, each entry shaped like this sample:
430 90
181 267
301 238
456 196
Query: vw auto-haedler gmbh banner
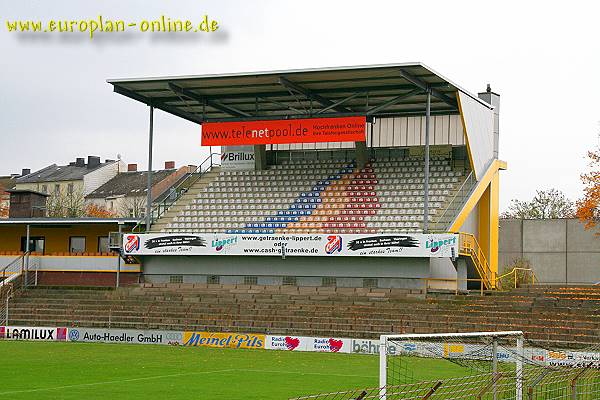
376 245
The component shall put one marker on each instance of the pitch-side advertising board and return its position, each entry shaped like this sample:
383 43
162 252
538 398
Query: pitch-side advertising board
376 245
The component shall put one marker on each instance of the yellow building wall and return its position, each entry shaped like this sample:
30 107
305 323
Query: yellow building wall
56 238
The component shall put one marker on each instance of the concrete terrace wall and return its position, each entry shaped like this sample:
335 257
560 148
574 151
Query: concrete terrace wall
349 271
560 251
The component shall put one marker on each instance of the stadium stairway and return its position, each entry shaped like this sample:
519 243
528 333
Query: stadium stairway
199 186
550 316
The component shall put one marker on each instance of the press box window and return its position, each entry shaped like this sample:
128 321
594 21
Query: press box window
289 281
213 279
370 282
250 280
103 246
77 244
328 281
175 278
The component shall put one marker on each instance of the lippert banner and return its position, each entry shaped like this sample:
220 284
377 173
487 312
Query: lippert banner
376 245
305 130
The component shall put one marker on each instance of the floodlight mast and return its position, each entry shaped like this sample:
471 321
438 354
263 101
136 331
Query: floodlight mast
383 348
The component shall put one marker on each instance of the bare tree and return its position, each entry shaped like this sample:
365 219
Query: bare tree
546 204
66 204
132 207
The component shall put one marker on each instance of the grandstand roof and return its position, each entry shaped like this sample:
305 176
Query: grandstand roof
374 90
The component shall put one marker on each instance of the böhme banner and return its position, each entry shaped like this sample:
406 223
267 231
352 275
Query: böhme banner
306 130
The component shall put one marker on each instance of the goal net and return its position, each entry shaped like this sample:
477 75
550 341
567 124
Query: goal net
478 365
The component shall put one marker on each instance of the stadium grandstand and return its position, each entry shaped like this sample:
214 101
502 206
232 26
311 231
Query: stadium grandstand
348 210
417 156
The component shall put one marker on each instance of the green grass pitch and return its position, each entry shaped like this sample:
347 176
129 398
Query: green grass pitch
41 370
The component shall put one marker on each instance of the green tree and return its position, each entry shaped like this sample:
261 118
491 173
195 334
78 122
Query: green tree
546 204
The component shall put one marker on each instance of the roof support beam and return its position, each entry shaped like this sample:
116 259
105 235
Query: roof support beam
339 102
424 86
393 101
157 104
311 95
212 103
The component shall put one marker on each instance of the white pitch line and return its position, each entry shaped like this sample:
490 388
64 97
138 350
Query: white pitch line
146 378
306 373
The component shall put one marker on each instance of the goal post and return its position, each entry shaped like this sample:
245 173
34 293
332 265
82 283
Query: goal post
484 356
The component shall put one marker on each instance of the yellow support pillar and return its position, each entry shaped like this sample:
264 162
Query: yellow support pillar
488 224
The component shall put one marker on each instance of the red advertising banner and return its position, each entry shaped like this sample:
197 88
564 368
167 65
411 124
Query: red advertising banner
309 130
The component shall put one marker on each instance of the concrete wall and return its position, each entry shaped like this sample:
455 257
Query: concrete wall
559 250
309 271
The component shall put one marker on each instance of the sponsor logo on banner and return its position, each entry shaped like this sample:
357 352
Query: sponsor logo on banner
334 244
220 244
417 245
237 158
366 346
287 343
233 340
131 336
304 130
434 244
132 243
31 333
331 345
374 245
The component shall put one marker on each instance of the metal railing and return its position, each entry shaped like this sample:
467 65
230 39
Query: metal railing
161 208
20 273
457 201
468 246
516 276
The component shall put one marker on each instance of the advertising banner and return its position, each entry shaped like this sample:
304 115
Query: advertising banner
130 336
376 245
33 333
301 343
220 340
306 130
237 158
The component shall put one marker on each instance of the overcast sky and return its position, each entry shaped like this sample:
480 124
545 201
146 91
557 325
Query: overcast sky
542 57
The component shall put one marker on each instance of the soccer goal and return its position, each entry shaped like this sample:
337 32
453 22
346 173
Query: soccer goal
477 365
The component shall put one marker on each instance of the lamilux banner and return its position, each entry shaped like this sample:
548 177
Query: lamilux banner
376 245
307 130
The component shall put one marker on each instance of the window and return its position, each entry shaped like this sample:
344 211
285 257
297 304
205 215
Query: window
36 244
369 282
289 281
56 189
328 281
70 188
44 188
175 278
77 244
213 279
250 280
103 244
